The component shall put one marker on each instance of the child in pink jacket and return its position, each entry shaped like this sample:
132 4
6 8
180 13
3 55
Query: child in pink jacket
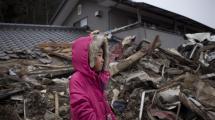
87 98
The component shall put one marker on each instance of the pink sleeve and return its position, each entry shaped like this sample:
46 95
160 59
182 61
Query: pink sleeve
79 103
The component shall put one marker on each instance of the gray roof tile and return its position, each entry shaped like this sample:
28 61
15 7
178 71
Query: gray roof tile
22 36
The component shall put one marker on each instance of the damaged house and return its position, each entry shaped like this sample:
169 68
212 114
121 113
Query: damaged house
149 82
141 19
35 62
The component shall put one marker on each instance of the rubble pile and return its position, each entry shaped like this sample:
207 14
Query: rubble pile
34 83
163 85
147 83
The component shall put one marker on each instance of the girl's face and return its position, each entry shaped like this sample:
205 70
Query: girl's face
99 60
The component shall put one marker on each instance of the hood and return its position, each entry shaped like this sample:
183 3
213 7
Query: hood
84 51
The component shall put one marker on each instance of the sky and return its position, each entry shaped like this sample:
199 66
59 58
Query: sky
202 11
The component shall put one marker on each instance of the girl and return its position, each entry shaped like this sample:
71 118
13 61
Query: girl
90 60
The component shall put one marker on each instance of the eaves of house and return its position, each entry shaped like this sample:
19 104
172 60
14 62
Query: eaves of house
145 9
63 11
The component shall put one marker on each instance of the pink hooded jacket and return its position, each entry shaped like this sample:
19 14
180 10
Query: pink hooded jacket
87 98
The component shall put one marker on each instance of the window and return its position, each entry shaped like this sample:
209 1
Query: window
79 9
81 23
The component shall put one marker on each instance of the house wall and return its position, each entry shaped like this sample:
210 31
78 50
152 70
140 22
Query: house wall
88 10
111 17
119 18
168 40
114 18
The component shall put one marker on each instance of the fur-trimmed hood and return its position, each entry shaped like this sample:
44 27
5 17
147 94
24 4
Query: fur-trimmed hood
99 41
84 51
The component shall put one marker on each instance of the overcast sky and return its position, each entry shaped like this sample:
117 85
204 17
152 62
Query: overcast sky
202 11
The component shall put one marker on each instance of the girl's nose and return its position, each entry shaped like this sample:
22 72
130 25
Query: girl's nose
102 60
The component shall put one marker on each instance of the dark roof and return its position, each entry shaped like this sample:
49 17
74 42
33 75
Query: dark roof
166 13
26 36
61 13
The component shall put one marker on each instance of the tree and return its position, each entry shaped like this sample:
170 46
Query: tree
27 11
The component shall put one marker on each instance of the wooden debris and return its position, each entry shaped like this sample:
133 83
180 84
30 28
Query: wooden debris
56 105
62 50
51 66
24 108
172 70
122 65
8 92
52 72
185 101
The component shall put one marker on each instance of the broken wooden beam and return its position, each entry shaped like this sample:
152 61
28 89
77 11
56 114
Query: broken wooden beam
122 65
189 104
61 50
52 72
56 105
69 58
50 66
9 92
